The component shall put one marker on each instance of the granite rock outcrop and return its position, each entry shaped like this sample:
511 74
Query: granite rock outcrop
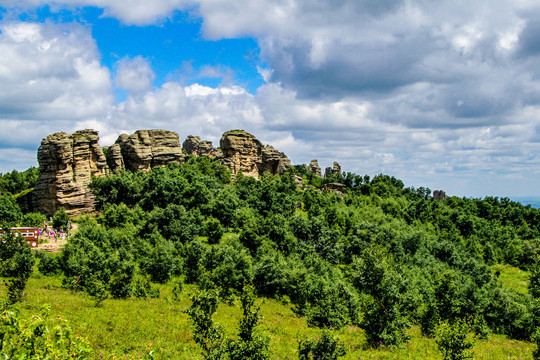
243 151
67 164
314 167
335 169
145 149
193 145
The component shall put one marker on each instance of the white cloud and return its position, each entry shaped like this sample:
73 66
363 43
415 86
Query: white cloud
134 74
441 94
50 77
131 12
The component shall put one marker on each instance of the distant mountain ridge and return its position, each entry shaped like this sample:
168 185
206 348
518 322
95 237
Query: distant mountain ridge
534 201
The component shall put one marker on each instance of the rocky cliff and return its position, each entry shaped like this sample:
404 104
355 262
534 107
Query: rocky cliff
66 165
67 162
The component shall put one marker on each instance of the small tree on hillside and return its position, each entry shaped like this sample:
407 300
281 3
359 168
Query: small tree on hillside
327 347
206 333
454 340
60 219
376 275
16 262
534 280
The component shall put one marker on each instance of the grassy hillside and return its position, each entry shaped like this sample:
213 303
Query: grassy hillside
385 267
128 329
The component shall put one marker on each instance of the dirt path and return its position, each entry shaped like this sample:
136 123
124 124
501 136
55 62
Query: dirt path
53 245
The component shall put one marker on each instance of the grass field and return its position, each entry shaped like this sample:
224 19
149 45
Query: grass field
127 329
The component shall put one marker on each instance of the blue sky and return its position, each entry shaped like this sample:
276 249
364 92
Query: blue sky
440 94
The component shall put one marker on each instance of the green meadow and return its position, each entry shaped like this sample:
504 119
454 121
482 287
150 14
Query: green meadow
131 328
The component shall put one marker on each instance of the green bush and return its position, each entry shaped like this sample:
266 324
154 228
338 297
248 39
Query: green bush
142 288
16 262
36 338
49 263
213 230
376 275
327 347
454 340
208 335
60 220
250 344
536 339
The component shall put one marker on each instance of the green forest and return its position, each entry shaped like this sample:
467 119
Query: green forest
368 270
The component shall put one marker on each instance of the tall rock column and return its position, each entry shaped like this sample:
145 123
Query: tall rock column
241 151
66 165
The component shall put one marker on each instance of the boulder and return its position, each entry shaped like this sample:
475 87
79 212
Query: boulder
241 151
439 194
336 169
273 161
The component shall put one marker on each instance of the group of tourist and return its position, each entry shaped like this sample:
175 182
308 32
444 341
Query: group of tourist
50 233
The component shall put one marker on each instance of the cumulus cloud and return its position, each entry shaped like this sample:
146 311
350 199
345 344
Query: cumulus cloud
134 74
50 77
131 12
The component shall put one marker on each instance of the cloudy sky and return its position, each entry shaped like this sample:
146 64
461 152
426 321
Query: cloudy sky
443 94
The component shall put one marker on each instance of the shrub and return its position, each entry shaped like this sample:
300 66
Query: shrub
49 263
120 282
326 348
536 339
16 262
213 230
177 289
249 344
454 340
97 290
207 334
160 262
534 281
34 339
376 276
60 219
142 288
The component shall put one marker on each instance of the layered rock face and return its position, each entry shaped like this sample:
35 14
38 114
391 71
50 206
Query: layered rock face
243 151
145 149
194 146
314 167
66 164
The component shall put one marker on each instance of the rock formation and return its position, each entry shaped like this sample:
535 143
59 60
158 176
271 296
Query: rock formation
66 165
439 194
336 169
273 161
242 151
145 149
194 146
67 162
314 167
